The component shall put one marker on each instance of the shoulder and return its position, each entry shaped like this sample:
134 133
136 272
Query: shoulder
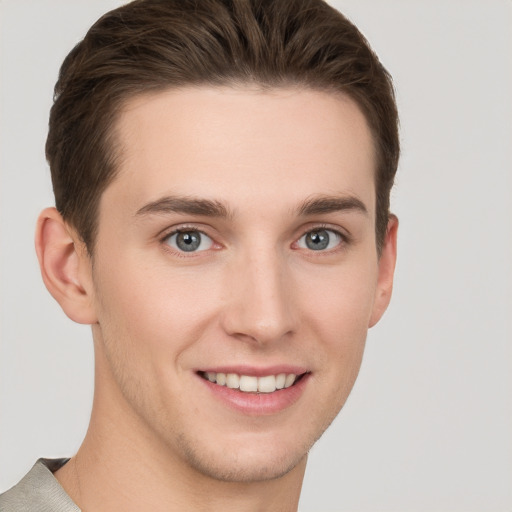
38 491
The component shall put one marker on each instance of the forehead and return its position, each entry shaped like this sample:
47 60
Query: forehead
236 145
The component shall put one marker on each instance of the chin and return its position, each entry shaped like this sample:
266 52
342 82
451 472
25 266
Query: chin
243 465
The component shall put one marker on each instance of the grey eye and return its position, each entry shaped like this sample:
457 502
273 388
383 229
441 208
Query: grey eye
190 241
320 239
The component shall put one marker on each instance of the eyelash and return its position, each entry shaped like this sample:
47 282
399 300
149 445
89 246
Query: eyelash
344 239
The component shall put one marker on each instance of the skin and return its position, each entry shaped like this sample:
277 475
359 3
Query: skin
256 295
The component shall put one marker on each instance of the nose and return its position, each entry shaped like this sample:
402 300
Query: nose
259 307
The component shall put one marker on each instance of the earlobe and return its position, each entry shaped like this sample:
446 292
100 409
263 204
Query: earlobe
386 272
65 266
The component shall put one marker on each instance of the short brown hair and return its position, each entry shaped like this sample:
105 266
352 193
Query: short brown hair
152 45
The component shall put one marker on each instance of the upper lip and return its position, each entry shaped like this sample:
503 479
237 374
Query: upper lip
256 371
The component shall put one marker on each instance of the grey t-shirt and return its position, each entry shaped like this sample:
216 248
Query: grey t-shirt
38 491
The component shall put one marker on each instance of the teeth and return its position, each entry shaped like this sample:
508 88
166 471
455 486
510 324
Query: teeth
290 379
267 384
248 384
232 380
251 384
280 380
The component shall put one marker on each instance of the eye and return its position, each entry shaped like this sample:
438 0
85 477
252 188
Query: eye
320 240
190 240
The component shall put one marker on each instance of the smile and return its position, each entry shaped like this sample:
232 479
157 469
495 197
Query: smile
252 384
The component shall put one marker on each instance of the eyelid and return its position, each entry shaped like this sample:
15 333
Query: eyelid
168 231
328 227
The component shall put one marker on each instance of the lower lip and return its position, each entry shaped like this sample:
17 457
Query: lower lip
258 404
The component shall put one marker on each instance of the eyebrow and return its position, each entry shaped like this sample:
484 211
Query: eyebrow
187 206
212 208
331 204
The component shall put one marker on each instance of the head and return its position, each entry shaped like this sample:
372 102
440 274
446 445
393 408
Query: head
148 46
222 172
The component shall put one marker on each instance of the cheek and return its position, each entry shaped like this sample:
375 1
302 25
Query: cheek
342 301
153 309
339 312
148 319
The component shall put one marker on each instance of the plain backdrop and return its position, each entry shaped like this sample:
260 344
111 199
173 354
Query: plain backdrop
428 426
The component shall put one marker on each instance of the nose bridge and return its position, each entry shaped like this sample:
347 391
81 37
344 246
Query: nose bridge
260 304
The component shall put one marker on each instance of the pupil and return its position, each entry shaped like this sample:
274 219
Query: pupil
317 240
188 241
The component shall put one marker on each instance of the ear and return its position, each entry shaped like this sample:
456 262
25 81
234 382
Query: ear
65 266
386 272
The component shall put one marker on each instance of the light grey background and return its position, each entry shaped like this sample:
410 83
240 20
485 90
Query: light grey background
428 426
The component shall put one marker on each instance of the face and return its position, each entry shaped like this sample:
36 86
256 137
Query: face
235 274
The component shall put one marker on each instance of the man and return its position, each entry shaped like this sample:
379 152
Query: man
222 174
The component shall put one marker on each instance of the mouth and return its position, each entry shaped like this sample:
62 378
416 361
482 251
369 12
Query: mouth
252 384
